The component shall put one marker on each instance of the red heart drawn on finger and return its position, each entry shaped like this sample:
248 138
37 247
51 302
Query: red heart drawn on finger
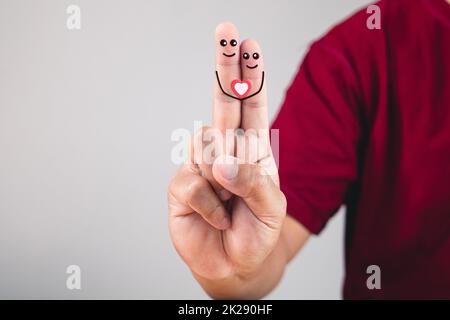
241 87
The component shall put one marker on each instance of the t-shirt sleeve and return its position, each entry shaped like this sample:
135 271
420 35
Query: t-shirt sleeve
319 130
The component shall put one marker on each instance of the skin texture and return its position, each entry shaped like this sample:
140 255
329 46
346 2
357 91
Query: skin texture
227 217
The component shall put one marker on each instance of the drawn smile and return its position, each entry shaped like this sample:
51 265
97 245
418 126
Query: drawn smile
255 66
229 55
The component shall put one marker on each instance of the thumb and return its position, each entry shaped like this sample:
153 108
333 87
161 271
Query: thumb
252 184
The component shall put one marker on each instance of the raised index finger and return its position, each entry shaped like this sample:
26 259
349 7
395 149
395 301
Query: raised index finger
226 110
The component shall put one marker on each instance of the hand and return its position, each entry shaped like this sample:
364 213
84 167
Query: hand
225 217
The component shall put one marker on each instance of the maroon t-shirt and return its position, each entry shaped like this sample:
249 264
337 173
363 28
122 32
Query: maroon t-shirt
366 123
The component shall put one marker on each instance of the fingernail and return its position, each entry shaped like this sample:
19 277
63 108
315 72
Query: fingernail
228 169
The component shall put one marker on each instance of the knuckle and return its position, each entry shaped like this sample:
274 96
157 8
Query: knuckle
195 189
212 211
224 99
194 168
253 102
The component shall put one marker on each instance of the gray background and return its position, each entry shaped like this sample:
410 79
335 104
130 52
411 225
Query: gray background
85 124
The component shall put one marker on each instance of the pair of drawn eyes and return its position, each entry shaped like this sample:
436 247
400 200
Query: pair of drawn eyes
224 43
246 56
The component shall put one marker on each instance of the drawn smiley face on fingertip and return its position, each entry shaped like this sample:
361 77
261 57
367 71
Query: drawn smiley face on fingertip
252 62
228 44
